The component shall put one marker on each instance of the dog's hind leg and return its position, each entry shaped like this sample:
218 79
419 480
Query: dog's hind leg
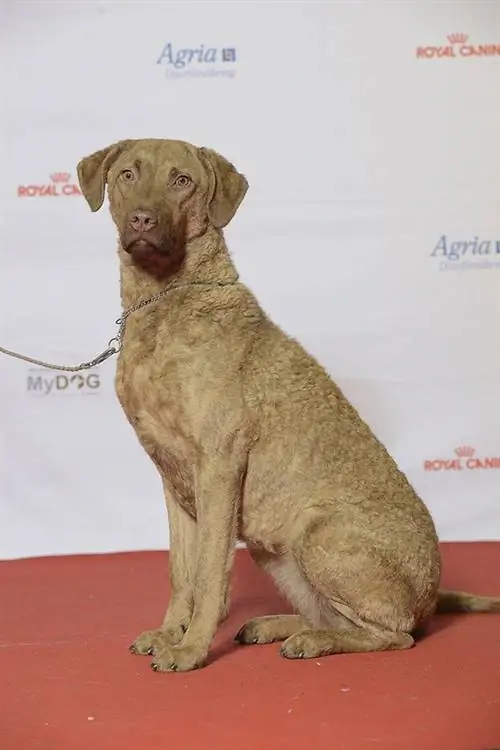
365 601
311 644
270 629
293 584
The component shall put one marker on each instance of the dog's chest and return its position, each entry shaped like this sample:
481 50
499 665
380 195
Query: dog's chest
151 397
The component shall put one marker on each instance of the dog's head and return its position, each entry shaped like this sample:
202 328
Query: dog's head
162 194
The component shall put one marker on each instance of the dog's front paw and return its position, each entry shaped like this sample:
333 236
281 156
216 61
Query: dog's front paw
149 642
178 659
152 641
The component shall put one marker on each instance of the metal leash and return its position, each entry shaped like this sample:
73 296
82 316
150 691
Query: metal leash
114 344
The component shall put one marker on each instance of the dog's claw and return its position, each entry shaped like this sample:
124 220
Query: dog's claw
171 668
238 638
245 641
150 651
284 652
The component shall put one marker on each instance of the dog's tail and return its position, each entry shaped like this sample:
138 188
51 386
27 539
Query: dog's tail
459 601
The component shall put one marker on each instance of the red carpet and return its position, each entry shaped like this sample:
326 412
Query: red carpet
69 683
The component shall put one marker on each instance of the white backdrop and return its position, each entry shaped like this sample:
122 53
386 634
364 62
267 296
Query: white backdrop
369 133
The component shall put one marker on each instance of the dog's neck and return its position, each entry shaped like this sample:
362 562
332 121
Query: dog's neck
207 260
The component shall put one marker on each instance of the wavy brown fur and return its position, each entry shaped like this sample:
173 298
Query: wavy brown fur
251 437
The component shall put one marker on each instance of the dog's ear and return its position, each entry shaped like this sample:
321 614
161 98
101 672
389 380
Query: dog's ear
93 170
227 187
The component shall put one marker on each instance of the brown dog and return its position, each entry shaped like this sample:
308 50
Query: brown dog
252 439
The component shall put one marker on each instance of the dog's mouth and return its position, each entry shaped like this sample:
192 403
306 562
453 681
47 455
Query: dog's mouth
139 246
157 257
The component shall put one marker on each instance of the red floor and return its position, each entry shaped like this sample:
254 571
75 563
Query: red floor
69 683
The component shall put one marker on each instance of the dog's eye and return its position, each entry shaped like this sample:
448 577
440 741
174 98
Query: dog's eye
127 175
182 181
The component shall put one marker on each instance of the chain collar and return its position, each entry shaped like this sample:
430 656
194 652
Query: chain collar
115 344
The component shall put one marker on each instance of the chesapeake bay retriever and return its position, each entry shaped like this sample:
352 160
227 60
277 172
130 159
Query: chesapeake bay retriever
252 439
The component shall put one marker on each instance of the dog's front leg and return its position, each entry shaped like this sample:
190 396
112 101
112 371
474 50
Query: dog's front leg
217 504
183 533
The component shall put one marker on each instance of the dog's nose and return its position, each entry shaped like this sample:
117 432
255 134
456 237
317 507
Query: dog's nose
142 221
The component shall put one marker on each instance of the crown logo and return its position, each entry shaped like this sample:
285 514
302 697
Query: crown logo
60 176
465 451
457 38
